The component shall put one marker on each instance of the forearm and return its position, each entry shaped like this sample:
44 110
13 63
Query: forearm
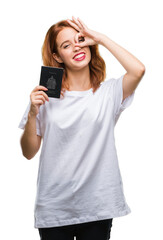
126 59
29 139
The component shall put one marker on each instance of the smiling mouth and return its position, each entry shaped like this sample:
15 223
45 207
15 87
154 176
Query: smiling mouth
80 57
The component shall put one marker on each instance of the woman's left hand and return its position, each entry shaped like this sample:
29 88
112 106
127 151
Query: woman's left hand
90 37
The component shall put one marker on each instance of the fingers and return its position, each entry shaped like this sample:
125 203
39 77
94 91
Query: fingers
73 25
37 88
77 36
42 94
81 23
81 44
38 95
38 100
77 22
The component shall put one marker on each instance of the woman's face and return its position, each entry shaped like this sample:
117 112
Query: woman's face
67 50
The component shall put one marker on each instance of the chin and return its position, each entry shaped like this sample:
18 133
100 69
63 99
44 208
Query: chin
82 63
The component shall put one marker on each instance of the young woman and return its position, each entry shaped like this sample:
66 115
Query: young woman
79 185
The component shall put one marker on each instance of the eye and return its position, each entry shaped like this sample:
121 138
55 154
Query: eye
82 39
66 46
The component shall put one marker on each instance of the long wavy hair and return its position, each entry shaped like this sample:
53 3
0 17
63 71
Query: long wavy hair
96 65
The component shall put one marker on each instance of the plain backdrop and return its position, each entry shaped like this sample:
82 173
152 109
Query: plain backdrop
134 25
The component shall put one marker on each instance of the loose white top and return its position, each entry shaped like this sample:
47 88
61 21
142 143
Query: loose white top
79 179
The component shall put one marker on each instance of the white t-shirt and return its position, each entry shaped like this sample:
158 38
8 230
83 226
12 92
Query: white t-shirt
79 179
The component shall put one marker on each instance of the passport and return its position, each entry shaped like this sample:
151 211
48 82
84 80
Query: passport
51 78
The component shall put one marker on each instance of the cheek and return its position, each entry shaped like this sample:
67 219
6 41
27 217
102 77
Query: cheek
89 53
64 55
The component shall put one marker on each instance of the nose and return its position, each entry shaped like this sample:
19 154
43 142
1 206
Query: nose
76 48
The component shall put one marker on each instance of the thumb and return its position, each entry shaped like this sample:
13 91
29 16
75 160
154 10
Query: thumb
80 40
77 36
81 44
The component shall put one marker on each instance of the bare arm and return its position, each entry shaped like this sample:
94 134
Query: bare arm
30 141
135 69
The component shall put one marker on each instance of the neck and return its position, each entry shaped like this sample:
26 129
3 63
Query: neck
79 80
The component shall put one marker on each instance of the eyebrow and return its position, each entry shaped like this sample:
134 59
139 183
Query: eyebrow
64 42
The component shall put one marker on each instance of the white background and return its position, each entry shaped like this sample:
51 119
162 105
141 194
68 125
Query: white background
134 25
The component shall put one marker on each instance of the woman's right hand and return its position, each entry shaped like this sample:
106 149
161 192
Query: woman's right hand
38 98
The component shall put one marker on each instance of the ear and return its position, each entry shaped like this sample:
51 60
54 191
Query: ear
57 58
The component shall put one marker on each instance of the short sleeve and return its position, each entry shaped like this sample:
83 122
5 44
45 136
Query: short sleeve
25 118
120 106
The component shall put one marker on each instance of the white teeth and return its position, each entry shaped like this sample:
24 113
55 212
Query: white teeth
79 56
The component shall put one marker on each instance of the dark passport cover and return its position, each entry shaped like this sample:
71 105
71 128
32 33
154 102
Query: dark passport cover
51 78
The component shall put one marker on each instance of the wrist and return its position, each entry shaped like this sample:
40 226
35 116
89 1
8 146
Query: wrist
102 39
31 115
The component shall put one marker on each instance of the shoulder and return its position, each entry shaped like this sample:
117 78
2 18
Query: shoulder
107 83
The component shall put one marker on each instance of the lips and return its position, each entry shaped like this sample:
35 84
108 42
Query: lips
81 53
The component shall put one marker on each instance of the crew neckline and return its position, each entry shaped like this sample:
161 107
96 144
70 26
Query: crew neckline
78 93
